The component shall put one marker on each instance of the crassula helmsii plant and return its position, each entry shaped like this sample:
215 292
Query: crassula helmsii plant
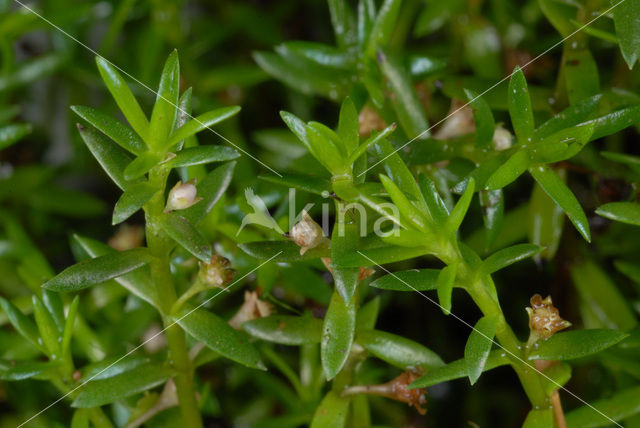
313 306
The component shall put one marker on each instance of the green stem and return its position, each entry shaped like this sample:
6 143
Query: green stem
478 289
160 245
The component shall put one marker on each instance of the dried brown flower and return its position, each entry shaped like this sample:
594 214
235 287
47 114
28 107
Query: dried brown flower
127 237
251 309
396 389
370 120
544 318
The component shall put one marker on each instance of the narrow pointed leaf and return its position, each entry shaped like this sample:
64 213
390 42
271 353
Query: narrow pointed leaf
112 128
539 419
110 156
458 369
624 212
164 111
202 155
410 280
348 126
344 240
286 329
482 118
21 322
573 344
137 281
446 278
569 117
141 165
398 350
123 97
185 234
460 209
509 171
131 201
508 256
435 205
625 18
520 109
383 25
105 391
199 123
337 334
69 325
561 195
47 327
101 269
622 404
210 189
332 411
218 335
476 351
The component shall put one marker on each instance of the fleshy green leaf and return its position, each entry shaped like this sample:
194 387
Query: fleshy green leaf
202 155
199 123
625 18
348 126
112 128
137 282
286 329
337 334
101 269
343 22
546 221
405 100
482 117
508 256
435 205
131 201
418 279
561 195
69 325
407 209
458 369
621 405
123 97
318 186
104 391
185 234
539 419
476 351
573 344
398 350
49 332
325 148
520 109
21 322
509 171
344 240
492 203
164 111
460 209
615 121
141 165
383 25
569 117
624 212
446 278
30 370
580 74
215 333
602 296
332 411
210 189
110 156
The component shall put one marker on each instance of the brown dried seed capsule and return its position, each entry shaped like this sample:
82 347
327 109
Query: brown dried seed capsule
217 273
307 234
544 318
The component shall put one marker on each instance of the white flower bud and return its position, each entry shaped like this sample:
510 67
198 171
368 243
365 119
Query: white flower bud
307 233
183 195
502 139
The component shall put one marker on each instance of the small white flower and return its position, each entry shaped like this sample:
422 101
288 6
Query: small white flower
181 196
